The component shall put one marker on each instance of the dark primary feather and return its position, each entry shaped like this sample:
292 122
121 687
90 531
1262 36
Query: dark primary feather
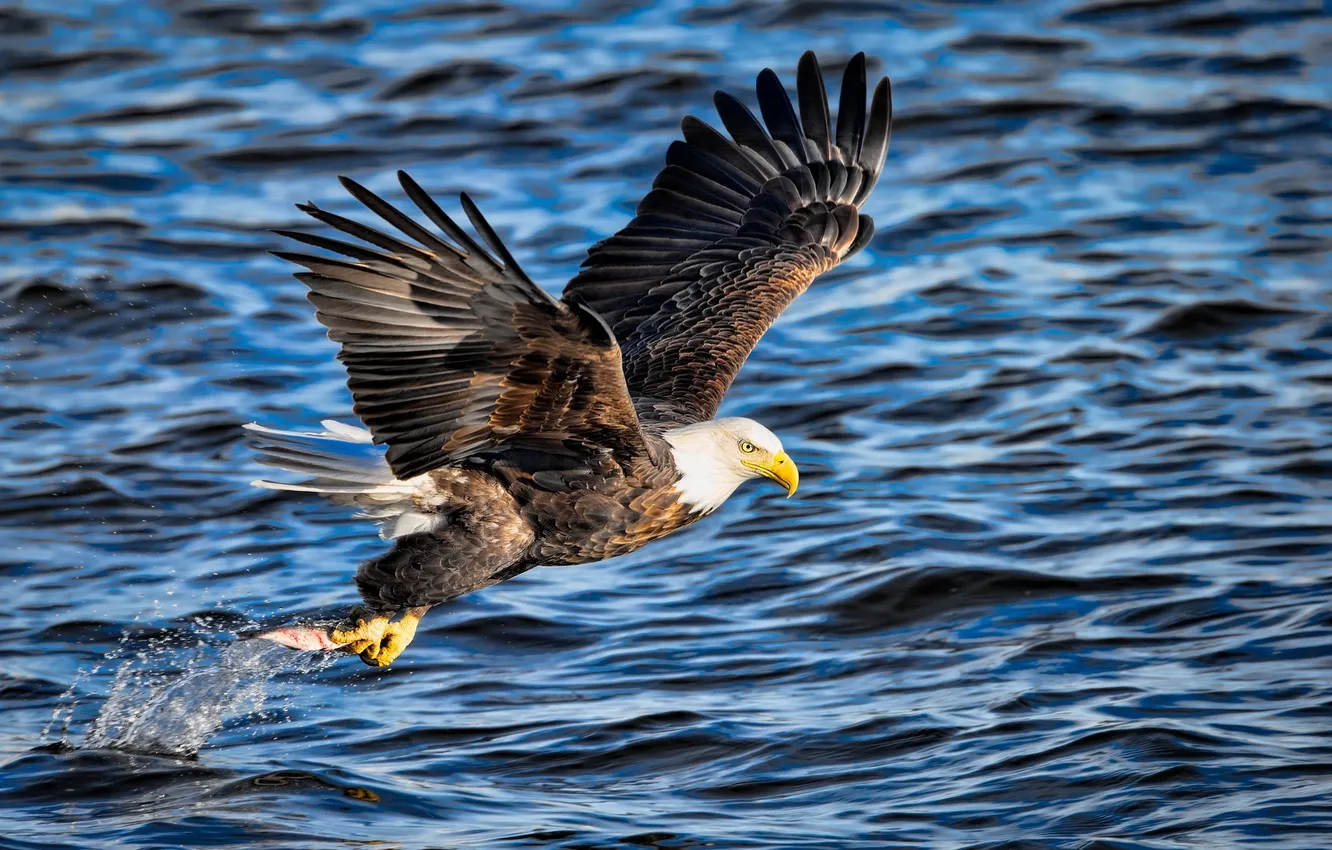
779 115
851 109
452 350
733 230
814 105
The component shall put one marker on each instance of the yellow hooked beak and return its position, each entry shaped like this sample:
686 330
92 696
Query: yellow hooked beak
780 469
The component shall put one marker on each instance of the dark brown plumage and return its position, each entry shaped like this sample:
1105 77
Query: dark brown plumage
732 232
520 429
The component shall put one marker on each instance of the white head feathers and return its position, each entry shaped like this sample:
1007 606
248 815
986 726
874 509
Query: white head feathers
719 455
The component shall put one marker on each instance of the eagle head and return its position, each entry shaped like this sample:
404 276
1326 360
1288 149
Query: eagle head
719 455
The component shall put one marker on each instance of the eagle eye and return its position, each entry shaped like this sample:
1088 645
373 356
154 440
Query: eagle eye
748 447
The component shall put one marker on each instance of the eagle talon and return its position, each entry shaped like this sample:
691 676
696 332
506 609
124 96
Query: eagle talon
366 633
378 641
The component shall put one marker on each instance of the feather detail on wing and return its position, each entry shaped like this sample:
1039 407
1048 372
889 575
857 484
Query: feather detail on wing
451 349
733 231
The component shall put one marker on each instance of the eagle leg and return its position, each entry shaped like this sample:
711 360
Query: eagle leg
379 639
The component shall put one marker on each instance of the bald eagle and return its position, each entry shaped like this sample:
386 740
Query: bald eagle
507 429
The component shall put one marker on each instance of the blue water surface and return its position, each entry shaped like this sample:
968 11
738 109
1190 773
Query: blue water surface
1059 573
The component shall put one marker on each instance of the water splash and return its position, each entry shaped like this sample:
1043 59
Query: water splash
169 700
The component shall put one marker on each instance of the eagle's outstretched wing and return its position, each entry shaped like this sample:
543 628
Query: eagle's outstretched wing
732 231
452 350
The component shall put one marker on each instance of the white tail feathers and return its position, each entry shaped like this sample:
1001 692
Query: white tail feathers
349 469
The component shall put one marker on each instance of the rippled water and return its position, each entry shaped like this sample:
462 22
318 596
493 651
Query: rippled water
1059 572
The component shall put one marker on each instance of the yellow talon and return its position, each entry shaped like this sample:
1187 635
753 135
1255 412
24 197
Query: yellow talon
377 640
364 634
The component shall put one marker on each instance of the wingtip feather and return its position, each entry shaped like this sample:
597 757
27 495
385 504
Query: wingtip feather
492 239
813 97
851 109
779 114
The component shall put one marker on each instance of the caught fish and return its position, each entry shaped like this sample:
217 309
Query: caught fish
310 637
376 639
